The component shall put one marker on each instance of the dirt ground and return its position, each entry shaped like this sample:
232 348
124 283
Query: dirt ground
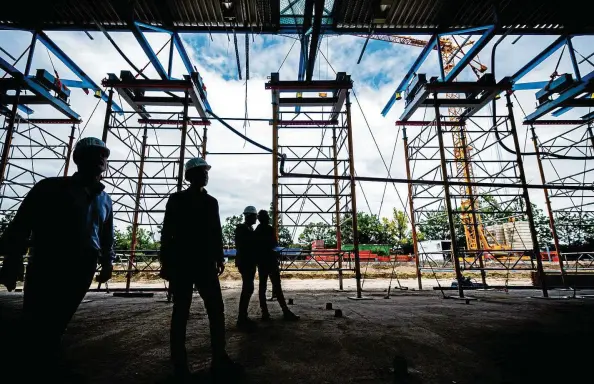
499 338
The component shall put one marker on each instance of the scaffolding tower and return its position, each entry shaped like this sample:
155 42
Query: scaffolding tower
461 150
158 135
564 150
312 134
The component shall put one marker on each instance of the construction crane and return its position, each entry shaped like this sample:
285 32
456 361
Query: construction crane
477 237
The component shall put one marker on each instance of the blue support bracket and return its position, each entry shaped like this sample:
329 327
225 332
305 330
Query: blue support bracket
472 52
146 47
569 94
25 109
152 27
562 110
411 72
527 86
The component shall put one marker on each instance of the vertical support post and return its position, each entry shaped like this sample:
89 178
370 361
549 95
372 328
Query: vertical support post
411 208
182 149
13 115
107 115
204 132
474 205
134 239
69 150
574 62
170 66
337 208
353 195
548 204
275 163
522 175
440 59
448 201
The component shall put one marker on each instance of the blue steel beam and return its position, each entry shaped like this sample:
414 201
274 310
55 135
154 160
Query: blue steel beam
587 82
472 52
146 47
183 53
576 68
411 72
548 51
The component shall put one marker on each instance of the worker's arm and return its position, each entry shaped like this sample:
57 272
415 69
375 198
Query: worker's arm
15 239
167 233
107 237
239 244
217 239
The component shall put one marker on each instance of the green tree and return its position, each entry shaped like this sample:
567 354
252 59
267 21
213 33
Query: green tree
144 239
397 228
229 230
5 221
318 231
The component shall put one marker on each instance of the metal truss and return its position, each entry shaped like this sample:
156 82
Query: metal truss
326 150
565 159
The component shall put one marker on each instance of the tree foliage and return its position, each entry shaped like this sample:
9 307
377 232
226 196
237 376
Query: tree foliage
145 240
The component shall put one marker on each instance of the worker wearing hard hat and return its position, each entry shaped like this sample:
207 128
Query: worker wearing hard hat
246 262
70 223
192 255
266 245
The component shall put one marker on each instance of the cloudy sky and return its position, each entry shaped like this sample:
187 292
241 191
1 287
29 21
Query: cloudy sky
238 181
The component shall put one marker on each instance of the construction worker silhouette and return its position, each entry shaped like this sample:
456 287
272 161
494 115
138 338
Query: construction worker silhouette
246 262
266 245
69 222
192 255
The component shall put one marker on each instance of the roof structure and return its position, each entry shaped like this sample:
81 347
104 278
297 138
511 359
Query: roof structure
287 16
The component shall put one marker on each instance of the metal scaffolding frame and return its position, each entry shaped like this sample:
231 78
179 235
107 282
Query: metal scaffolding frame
159 136
563 160
459 149
324 107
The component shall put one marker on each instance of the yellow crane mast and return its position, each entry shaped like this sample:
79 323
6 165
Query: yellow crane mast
477 237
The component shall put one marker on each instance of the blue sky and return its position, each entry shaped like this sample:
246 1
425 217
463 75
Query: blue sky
240 181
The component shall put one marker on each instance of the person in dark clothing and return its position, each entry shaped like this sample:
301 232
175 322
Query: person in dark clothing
246 262
192 255
67 223
266 244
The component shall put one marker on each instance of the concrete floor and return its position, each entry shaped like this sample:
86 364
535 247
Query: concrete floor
500 338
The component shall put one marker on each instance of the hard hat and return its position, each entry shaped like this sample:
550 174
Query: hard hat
197 162
250 210
89 142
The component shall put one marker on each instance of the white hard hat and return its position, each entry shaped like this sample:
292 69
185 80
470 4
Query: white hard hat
89 142
197 162
250 209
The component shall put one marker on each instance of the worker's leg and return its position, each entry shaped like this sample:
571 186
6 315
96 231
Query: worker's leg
210 291
248 273
47 312
263 282
181 290
275 279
